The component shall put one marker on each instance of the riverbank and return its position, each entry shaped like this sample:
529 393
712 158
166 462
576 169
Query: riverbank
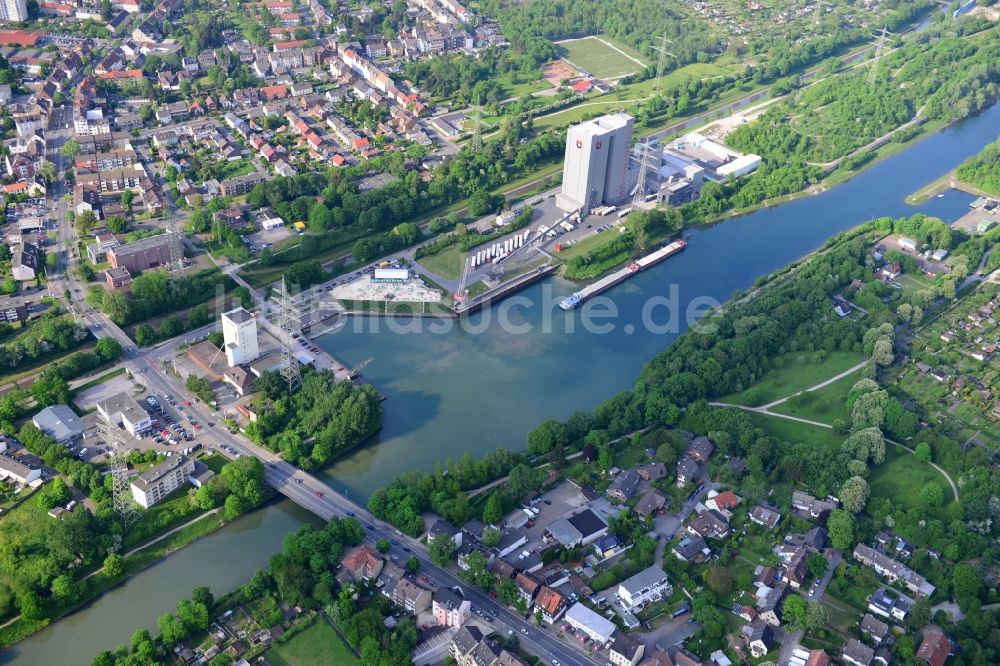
97 583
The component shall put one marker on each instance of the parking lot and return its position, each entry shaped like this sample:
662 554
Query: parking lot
27 208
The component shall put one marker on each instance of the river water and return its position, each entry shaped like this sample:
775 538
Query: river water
484 385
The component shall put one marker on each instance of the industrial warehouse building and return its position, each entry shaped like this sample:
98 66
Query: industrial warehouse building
59 422
143 254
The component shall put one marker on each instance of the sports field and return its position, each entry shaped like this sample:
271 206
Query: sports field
601 57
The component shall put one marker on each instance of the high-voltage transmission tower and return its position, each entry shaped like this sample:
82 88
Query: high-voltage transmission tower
873 71
291 310
121 488
662 62
477 127
176 248
640 185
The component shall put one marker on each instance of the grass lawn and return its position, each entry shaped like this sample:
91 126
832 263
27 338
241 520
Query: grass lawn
516 87
824 405
793 431
901 478
574 114
698 70
912 283
799 372
447 263
601 57
316 645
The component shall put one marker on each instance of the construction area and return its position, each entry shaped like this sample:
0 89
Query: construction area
396 287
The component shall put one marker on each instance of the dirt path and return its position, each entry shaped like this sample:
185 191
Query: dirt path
817 386
765 410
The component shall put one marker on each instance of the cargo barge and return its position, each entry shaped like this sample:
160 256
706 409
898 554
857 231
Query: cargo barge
578 298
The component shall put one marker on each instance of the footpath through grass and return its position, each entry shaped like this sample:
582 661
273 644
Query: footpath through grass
826 404
902 477
797 372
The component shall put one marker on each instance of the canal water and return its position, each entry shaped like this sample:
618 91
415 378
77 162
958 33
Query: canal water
486 384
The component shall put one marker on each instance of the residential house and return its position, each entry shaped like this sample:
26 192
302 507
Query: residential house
551 603
527 586
765 515
624 485
723 502
893 570
874 628
652 502
449 609
653 471
363 563
625 650
769 608
857 653
812 507
411 597
648 585
156 483
692 550
687 471
894 605
708 524
700 449
17 471
935 647
758 637
122 410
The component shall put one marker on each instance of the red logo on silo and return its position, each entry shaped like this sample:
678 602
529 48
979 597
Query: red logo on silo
599 144
579 144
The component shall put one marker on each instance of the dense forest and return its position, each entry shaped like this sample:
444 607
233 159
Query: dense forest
945 79
983 170
321 420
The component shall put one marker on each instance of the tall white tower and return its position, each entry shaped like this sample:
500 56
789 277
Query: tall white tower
239 332
595 169
13 10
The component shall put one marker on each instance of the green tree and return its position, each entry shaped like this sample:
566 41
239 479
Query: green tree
117 224
442 550
854 494
816 616
966 583
114 565
794 610
85 222
108 349
70 148
493 511
922 451
412 565
145 335
62 586
548 435
48 171
840 526
932 495
32 606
